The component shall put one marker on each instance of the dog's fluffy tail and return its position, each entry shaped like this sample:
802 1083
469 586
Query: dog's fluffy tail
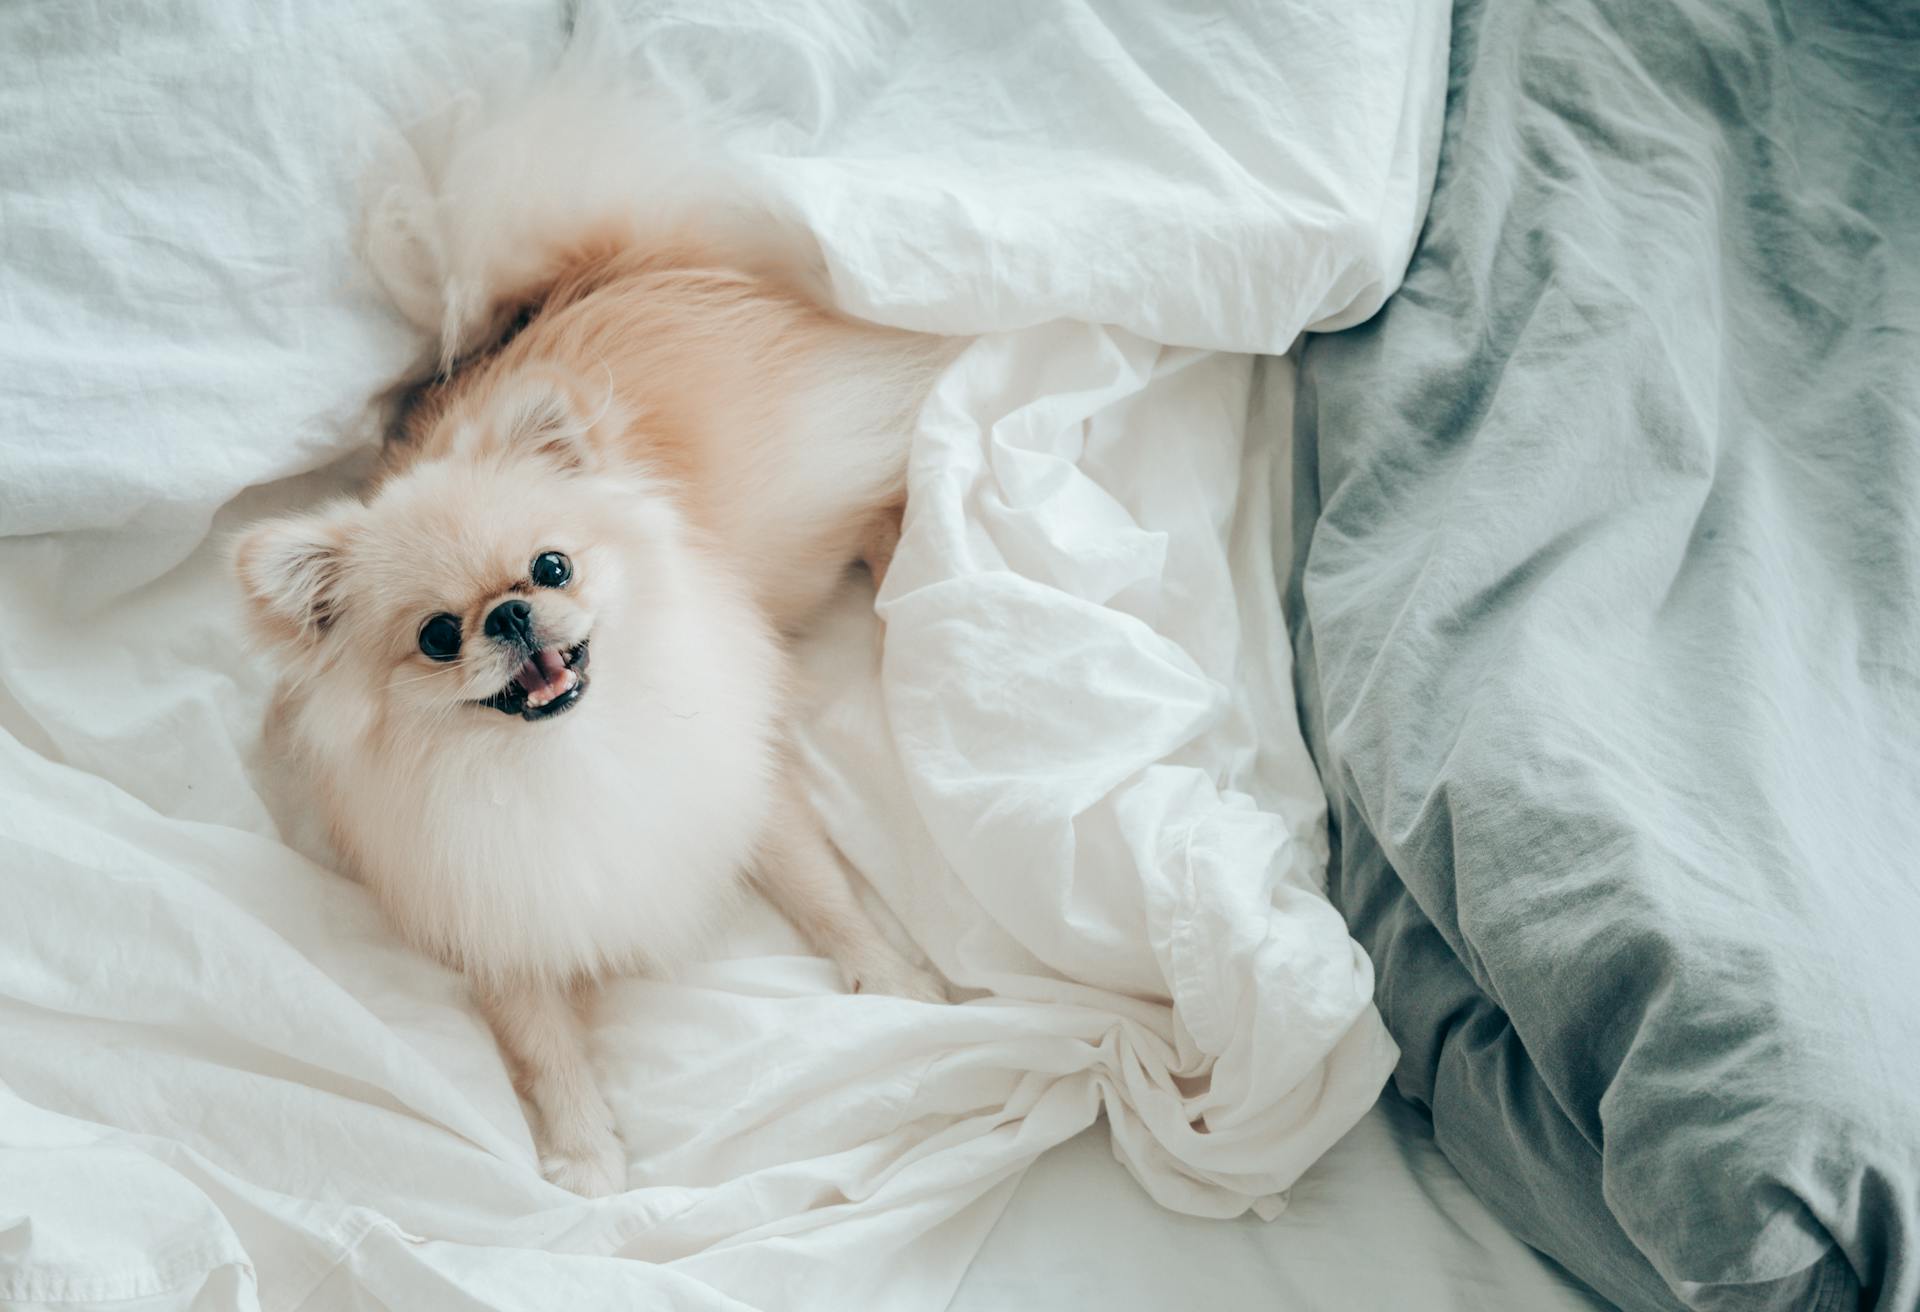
497 195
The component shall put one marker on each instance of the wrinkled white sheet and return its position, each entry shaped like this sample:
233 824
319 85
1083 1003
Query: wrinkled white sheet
1382 1223
1073 776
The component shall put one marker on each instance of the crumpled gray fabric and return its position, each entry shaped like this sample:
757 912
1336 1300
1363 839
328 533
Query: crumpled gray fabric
1607 607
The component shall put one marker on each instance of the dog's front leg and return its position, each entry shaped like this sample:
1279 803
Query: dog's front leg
539 1028
801 874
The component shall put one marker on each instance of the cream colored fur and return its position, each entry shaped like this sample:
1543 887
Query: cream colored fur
710 449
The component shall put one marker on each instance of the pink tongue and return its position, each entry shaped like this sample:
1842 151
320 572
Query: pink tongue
545 672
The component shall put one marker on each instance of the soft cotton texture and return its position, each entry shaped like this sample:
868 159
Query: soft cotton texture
1073 776
1382 1221
1610 643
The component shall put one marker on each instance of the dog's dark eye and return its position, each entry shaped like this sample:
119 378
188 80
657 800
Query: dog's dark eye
440 637
551 569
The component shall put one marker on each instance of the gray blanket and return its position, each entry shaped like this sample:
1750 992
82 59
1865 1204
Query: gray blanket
1607 603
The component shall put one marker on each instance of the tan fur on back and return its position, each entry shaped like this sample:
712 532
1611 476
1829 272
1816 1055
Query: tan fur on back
780 425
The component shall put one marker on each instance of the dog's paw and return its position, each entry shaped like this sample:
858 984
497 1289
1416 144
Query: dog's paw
895 976
595 1171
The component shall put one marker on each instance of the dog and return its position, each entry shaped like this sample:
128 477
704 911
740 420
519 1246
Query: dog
537 673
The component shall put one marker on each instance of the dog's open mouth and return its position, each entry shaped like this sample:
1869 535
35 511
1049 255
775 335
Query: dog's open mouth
550 681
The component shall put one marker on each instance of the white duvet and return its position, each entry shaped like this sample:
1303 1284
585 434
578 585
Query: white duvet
1072 774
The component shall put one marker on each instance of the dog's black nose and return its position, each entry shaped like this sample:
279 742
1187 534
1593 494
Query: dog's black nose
511 621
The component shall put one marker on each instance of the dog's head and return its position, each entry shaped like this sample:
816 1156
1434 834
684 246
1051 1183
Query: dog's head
470 587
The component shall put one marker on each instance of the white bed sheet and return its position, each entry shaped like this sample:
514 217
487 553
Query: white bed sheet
1382 1223
1074 777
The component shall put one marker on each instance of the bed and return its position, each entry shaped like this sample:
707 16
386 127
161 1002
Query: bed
1072 776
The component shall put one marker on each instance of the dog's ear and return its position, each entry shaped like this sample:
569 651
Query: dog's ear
542 416
290 571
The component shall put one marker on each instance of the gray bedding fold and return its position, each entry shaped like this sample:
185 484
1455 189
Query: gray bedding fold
1607 605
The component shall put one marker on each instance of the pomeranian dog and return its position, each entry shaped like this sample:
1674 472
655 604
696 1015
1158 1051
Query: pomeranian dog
537 672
